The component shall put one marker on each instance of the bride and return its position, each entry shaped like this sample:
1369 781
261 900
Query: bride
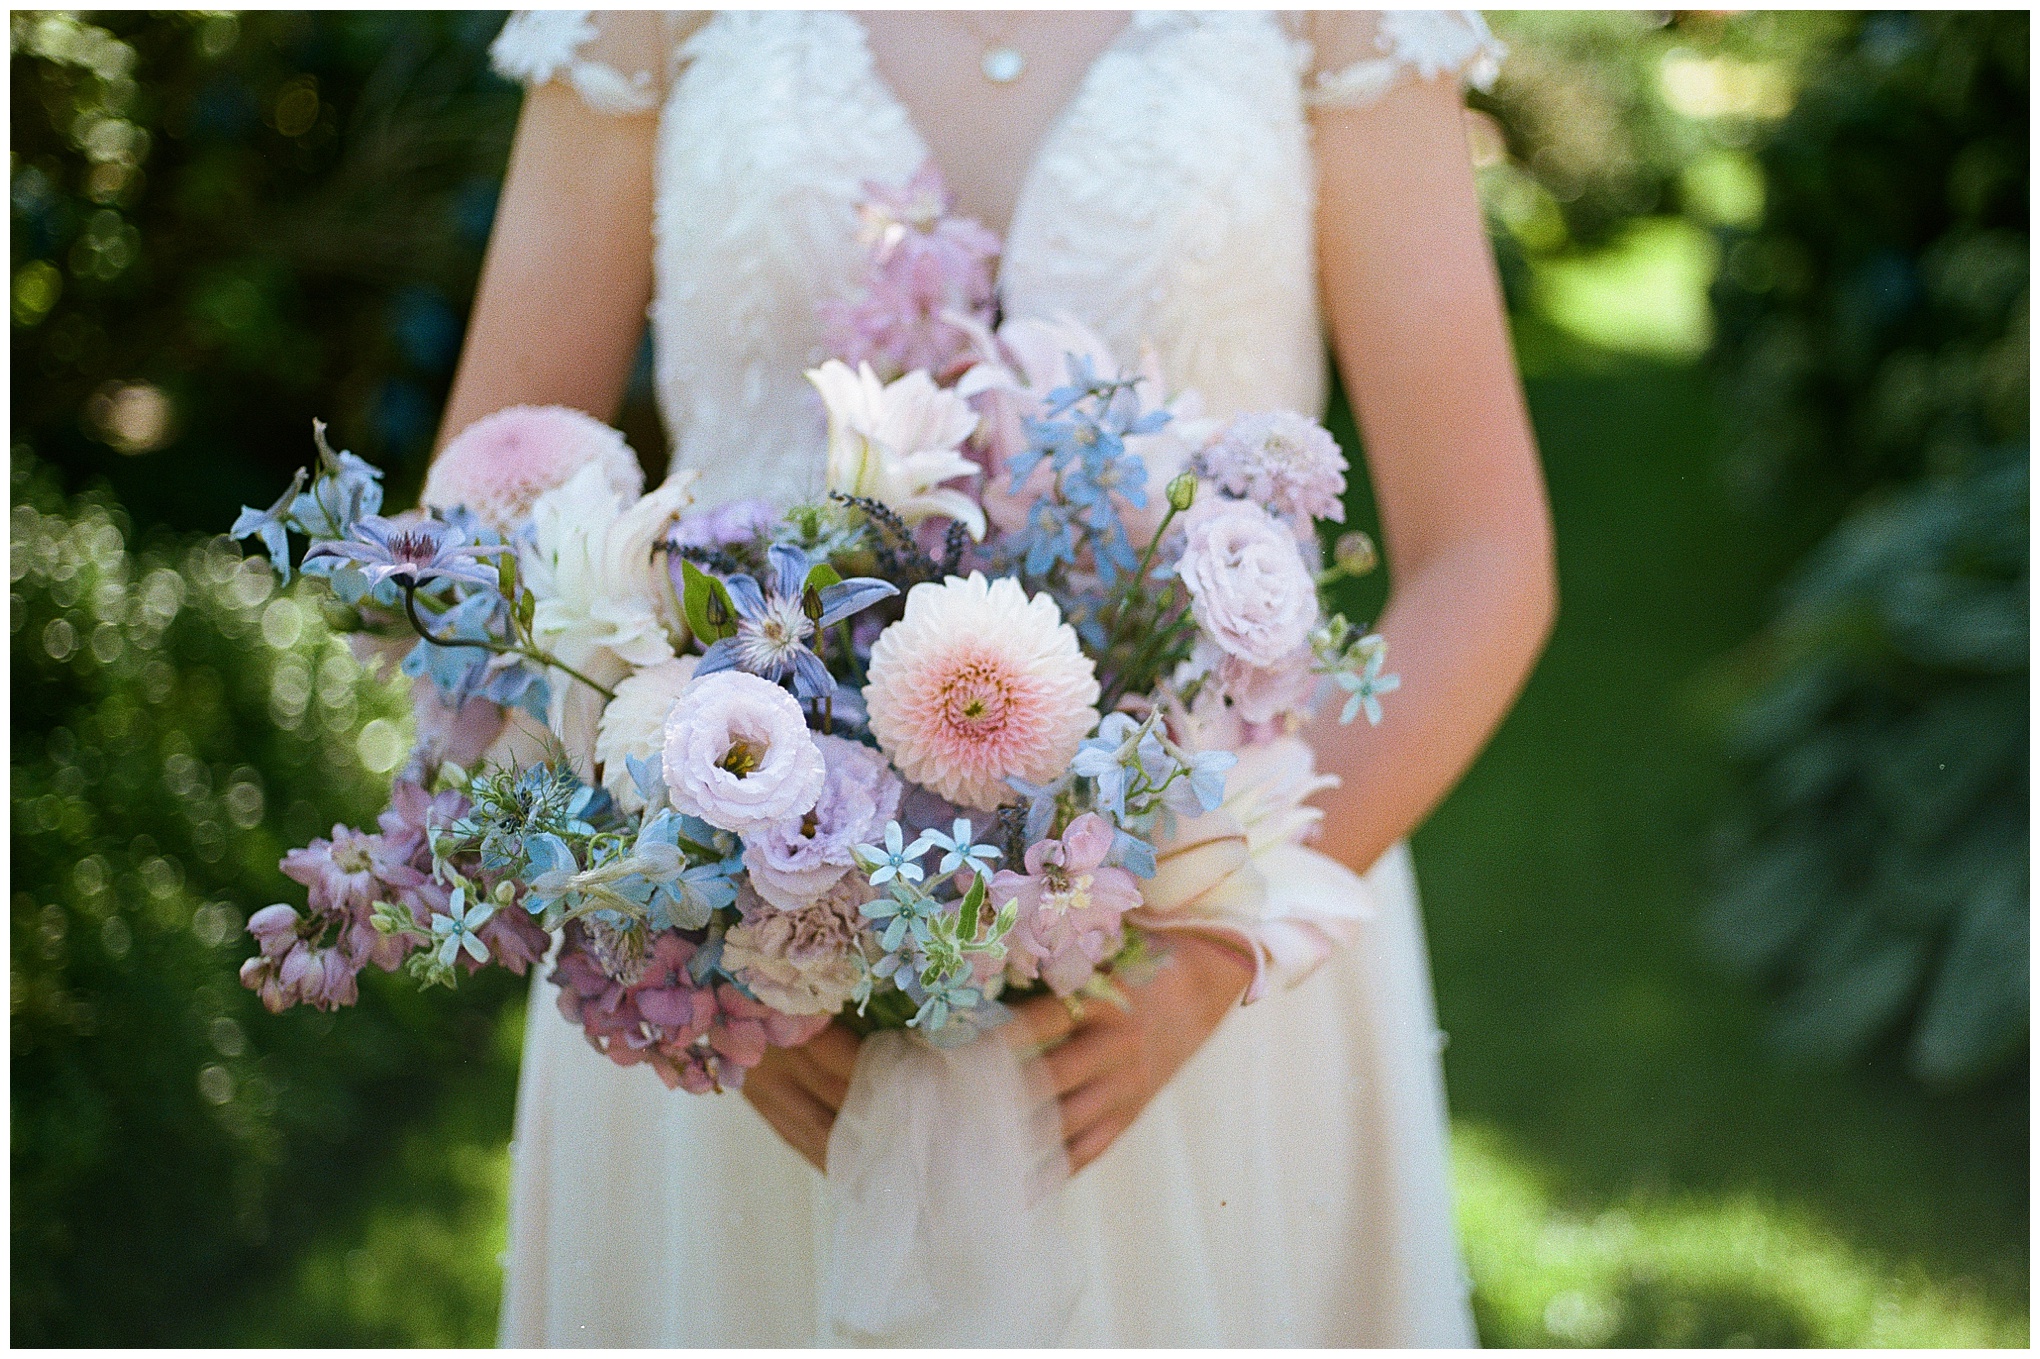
1231 189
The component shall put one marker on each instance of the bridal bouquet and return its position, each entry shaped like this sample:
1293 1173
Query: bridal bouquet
970 724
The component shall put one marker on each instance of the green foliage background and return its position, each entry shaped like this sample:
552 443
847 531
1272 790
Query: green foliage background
1791 579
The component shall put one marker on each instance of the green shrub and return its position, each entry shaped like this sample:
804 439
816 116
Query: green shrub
1875 364
177 724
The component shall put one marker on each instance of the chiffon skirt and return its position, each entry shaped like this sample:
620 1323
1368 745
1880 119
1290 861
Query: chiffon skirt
1291 1186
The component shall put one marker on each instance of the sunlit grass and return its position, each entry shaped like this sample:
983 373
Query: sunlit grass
1737 1269
1645 295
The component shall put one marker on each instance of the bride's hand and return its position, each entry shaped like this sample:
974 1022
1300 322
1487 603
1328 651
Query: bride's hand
1106 1066
799 1090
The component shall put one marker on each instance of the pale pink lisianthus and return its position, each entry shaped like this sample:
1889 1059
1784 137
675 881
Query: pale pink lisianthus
738 753
1070 905
500 465
794 861
978 683
1250 589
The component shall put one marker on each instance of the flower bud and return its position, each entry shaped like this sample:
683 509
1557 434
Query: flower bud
274 928
298 966
811 604
1355 554
1182 490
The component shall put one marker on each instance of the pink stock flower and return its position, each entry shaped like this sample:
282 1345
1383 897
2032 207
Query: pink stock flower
925 268
976 684
1250 590
500 465
1070 906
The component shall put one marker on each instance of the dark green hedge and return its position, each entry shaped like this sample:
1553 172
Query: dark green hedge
1875 364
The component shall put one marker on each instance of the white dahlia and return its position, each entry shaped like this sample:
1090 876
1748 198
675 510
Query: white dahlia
634 724
978 683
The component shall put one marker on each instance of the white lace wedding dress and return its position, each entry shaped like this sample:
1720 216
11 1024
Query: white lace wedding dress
1291 1185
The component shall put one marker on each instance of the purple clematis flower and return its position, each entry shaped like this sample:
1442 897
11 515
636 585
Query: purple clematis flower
411 552
774 624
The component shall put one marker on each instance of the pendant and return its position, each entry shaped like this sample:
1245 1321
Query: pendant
1003 65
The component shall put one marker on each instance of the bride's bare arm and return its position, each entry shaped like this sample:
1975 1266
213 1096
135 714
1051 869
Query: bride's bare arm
1416 320
561 307
1415 314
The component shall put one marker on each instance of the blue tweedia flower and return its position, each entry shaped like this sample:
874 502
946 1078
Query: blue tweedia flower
347 490
464 672
958 850
1367 685
456 929
550 875
271 526
906 912
1136 771
895 860
409 553
1042 801
775 623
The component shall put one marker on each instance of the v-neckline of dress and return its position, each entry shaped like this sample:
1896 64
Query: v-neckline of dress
1025 193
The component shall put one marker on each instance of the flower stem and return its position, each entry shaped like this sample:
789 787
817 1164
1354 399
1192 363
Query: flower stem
490 644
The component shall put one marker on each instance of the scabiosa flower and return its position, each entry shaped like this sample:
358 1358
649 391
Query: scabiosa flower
410 551
775 623
1282 460
805 961
500 465
1070 906
728 524
738 753
1250 589
796 860
633 725
976 684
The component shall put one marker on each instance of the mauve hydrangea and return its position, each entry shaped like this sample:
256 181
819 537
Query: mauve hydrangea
1070 906
795 861
738 753
1283 460
1250 589
800 962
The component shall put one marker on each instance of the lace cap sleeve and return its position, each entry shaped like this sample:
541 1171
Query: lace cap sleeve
1358 55
618 61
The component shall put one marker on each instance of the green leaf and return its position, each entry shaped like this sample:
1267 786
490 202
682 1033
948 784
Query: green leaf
821 576
973 901
700 588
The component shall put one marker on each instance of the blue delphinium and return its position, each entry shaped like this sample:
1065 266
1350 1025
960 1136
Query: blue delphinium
1083 435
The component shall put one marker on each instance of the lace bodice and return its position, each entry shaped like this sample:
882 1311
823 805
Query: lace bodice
1169 204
